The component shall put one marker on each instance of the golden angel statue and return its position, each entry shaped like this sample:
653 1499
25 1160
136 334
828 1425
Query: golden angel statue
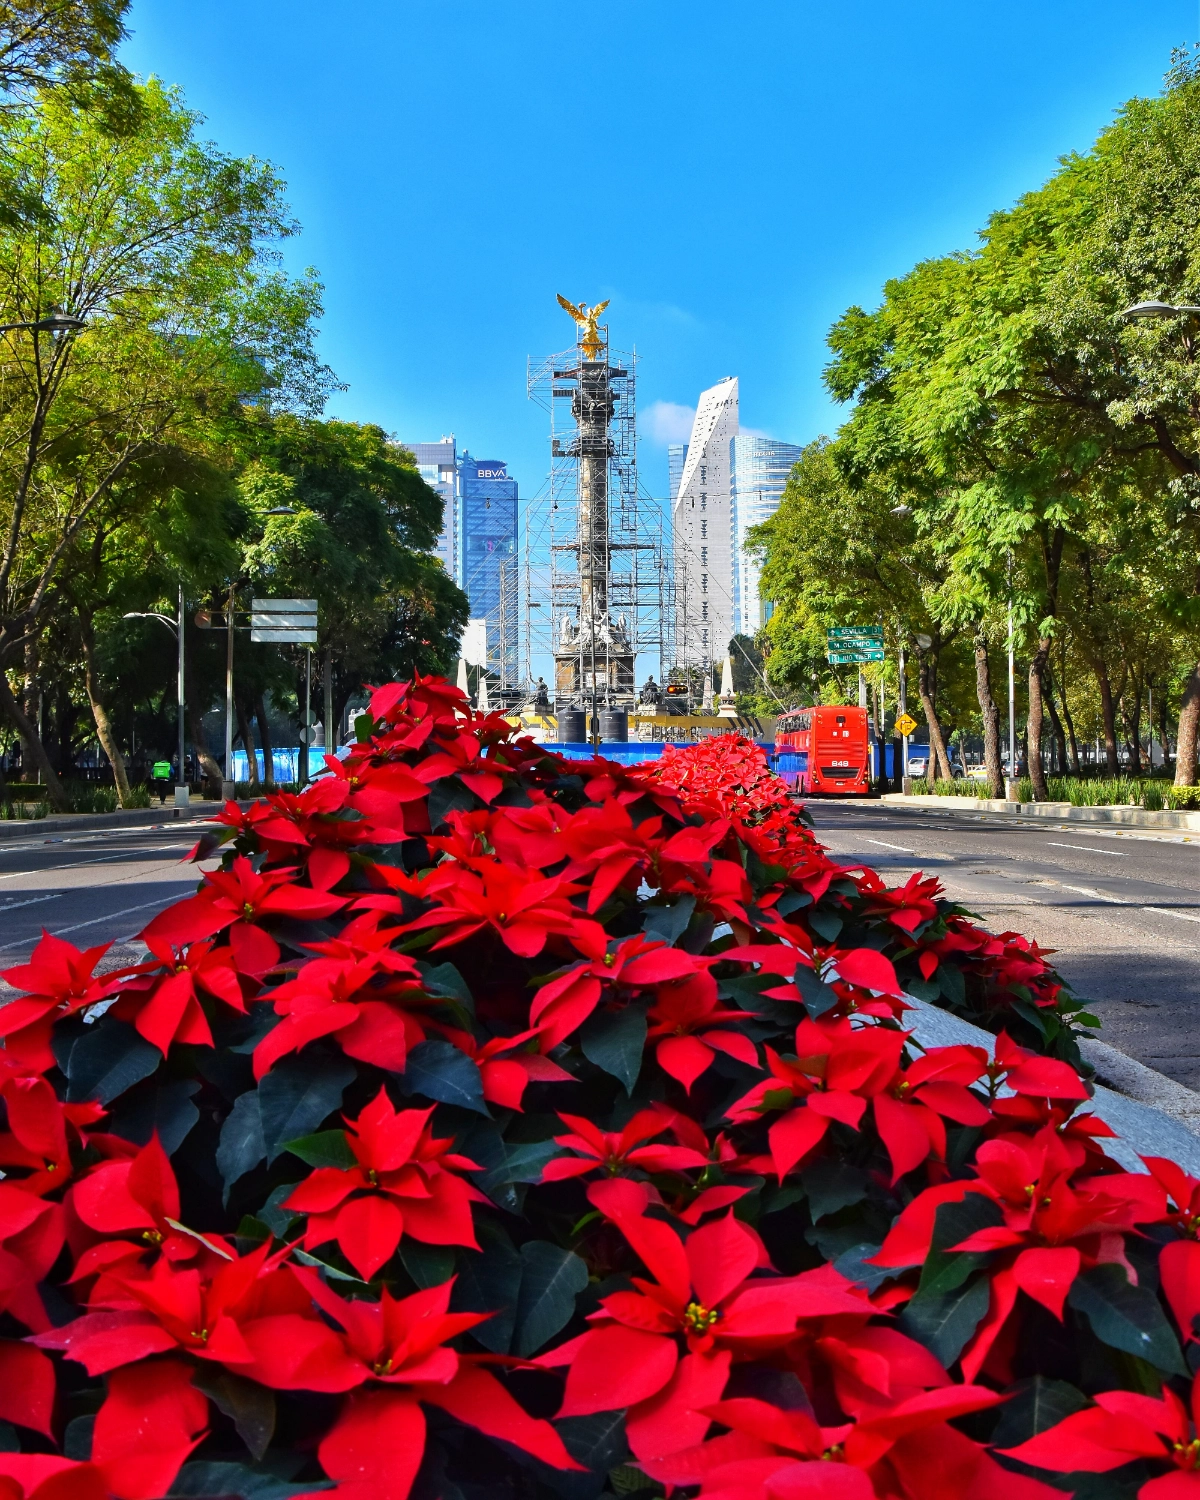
585 317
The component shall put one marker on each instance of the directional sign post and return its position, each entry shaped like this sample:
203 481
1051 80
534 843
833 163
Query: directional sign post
293 621
905 725
866 654
845 644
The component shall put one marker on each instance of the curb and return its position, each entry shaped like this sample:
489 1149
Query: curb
132 817
1152 1114
1057 812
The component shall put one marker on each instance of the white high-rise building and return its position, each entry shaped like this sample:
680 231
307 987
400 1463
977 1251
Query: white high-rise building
759 469
702 521
438 463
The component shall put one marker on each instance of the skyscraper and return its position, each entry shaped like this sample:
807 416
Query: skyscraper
759 469
676 458
702 520
438 463
487 555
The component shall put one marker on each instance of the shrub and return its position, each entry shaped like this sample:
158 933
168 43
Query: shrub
571 1105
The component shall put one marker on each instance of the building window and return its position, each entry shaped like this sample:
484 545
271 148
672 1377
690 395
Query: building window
704 612
703 528
704 556
704 583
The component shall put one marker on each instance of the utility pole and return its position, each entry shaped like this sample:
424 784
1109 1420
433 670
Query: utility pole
331 734
229 785
1011 786
181 781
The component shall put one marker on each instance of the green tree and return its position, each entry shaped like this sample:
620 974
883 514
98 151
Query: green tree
161 243
359 543
1006 390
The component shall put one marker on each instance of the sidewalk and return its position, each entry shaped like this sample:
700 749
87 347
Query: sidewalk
200 811
1056 812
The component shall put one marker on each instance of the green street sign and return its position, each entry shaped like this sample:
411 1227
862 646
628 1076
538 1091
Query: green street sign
873 634
867 653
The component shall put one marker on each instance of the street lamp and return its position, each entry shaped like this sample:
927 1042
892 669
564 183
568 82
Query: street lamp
176 629
1153 309
55 321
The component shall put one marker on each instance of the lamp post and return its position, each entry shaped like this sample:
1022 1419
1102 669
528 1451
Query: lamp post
55 321
1162 310
176 628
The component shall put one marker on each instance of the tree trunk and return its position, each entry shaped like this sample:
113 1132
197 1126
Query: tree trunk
243 722
1189 726
1033 723
1066 708
1162 731
991 717
264 739
31 740
937 745
1135 732
1108 717
31 703
104 729
1060 738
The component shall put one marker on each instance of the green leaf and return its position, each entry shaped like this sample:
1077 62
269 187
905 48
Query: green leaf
1036 1404
669 923
551 1278
597 1442
328 1148
825 923
854 1266
428 1265
830 1185
792 901
944 1268
250 1406
944 1324
227 1481
166 1111
489 1280
439 1070
445 981
241 1146
614 1041
108 1058
1126 1317
818 996
298 1094
446 796
952 984
504 1162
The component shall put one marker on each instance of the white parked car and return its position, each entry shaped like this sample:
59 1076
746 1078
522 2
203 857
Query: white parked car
918 765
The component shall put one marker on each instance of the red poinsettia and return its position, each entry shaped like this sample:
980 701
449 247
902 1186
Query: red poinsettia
1124 1426
58 981
392 1356
406 1181
664 1350
614 1152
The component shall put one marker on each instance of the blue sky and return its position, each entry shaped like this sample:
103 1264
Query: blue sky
731 175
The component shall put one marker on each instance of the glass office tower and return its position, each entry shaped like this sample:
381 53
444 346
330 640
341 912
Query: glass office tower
438 463
759 469
487 556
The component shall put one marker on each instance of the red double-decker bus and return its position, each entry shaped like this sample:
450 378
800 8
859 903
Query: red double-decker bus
824 750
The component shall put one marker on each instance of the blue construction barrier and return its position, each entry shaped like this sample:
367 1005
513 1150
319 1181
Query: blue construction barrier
628 752
285 762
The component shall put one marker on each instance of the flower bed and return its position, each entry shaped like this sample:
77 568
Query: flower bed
492 1126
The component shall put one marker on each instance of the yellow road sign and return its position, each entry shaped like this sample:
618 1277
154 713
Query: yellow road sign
905 724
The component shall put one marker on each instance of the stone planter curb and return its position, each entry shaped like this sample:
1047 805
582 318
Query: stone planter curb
1055 812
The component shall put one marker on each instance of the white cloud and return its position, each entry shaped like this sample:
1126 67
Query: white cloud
667 422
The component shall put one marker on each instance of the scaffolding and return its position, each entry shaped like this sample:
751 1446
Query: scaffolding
598 571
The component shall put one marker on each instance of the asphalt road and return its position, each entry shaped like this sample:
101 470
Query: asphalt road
91 887
1121 908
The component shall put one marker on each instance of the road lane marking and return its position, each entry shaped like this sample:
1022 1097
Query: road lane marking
1086 890
883 844
108 917
33 901
1165 911
1087 849
108 859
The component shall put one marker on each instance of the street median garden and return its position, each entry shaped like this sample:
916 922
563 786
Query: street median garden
491 1125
